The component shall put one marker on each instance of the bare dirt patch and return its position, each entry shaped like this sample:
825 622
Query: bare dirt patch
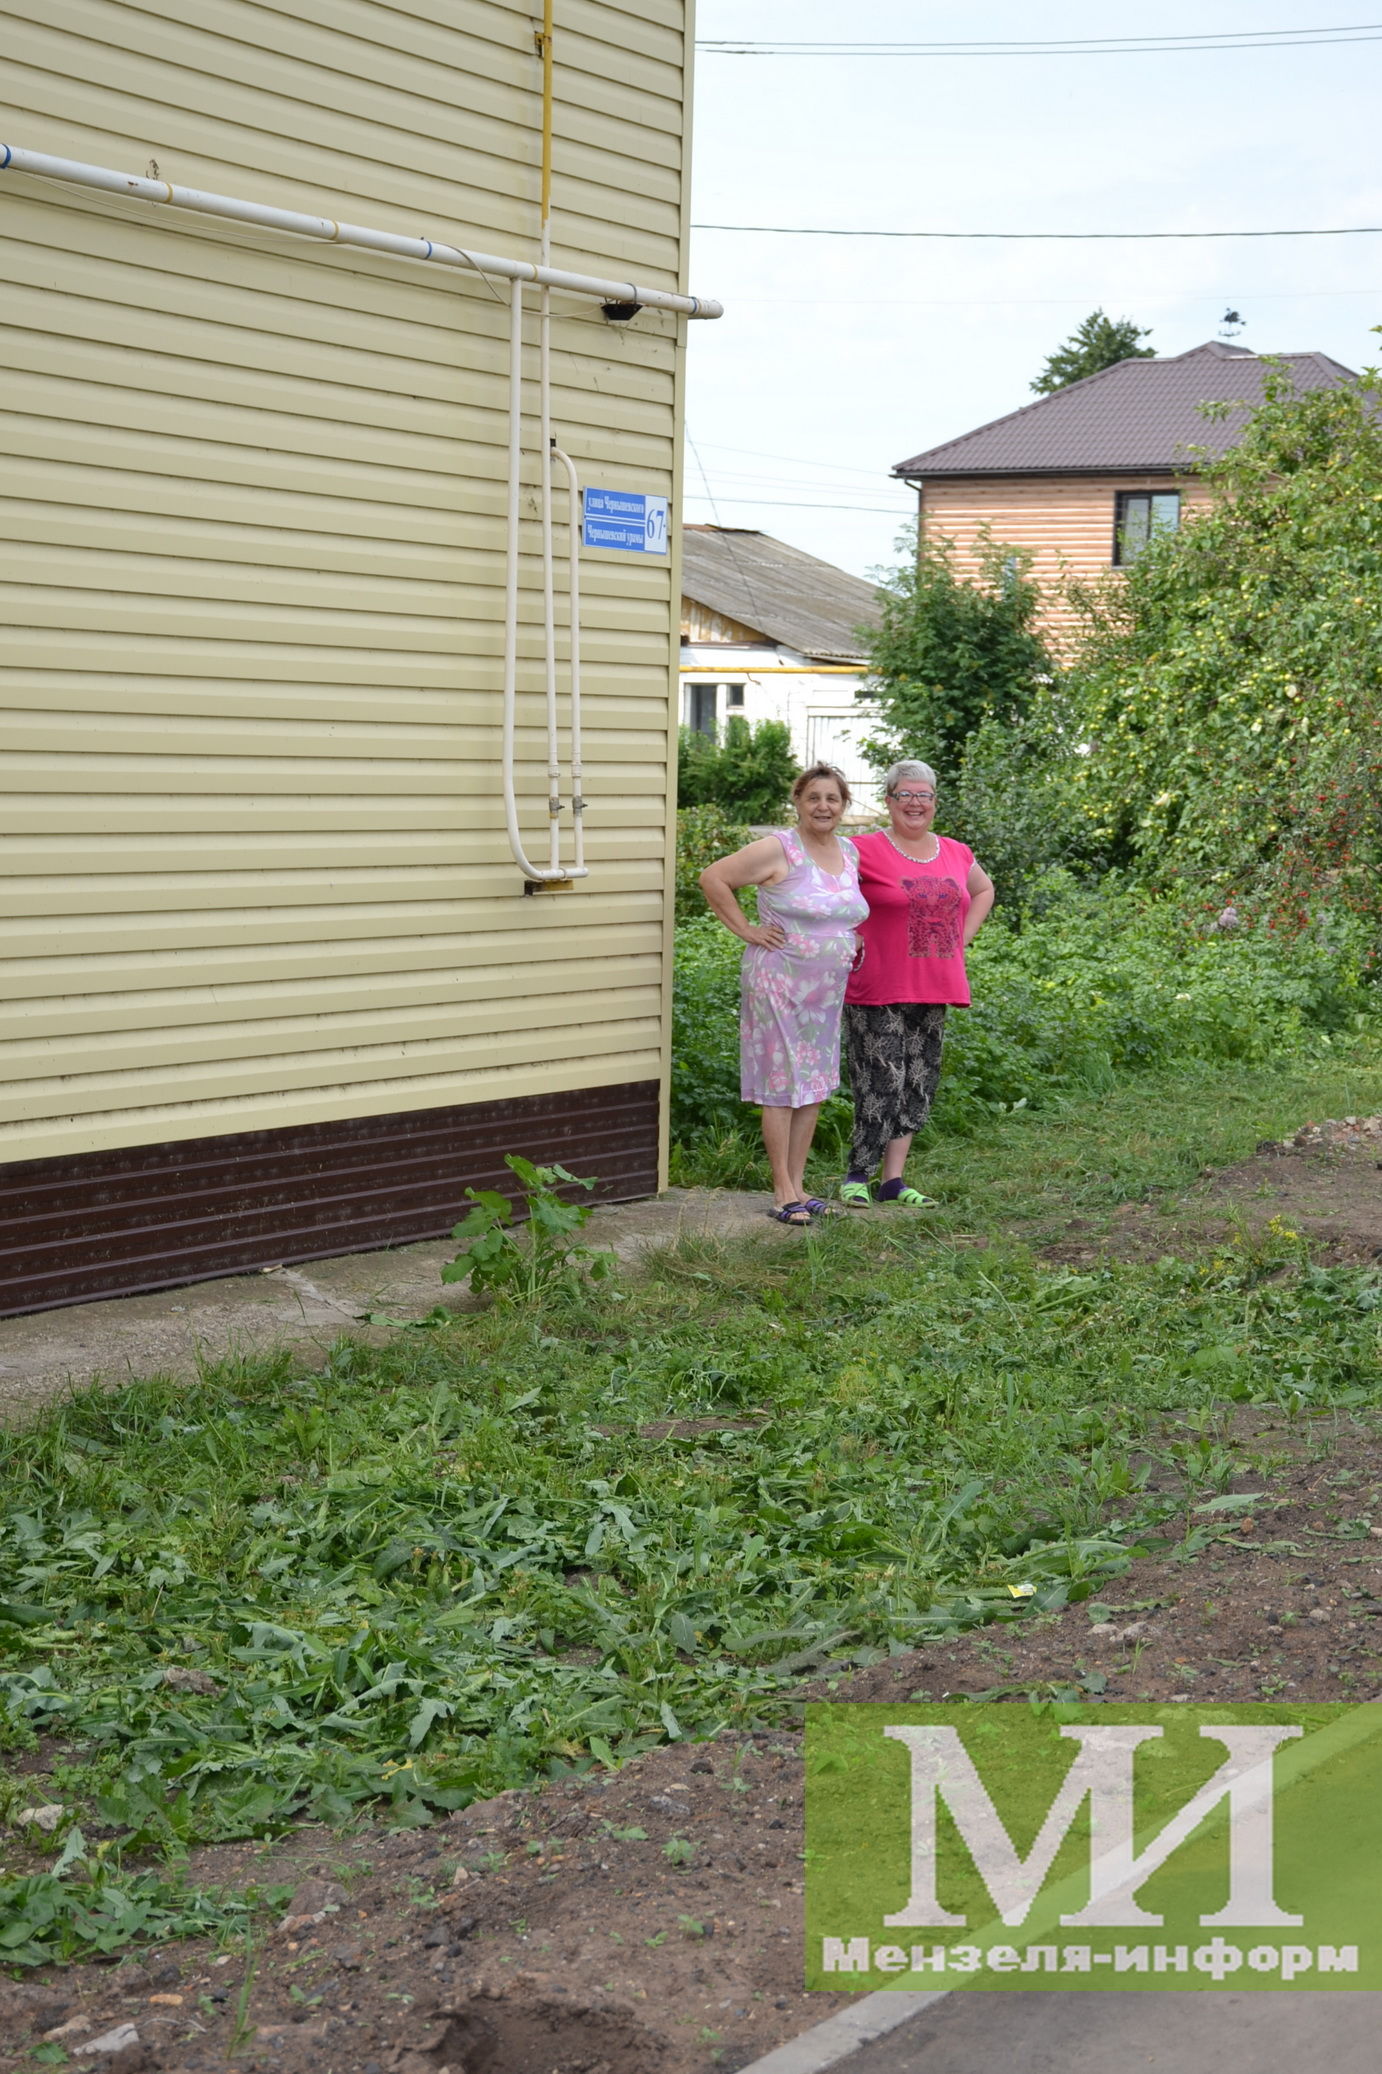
644 1923
1325 1184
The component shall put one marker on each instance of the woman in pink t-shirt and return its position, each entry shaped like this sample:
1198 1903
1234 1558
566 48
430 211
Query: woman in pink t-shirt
927 899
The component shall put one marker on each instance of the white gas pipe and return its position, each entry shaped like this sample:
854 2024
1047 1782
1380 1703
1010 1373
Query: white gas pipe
573 596
137 188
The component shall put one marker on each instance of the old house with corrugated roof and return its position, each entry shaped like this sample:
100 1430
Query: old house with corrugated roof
1083 477
771 633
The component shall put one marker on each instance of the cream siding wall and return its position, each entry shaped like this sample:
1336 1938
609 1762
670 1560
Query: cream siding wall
252 566
1066 521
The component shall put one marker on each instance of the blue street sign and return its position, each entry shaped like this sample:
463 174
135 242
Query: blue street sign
625 519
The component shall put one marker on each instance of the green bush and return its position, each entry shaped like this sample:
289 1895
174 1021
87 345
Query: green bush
749 774
703 834
705 1031
1098 985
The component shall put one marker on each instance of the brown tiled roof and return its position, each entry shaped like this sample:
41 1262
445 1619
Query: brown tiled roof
781 593
1137 415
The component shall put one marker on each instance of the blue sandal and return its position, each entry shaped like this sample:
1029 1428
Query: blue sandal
798 1215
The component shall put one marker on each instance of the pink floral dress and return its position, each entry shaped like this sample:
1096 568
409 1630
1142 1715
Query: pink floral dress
789 1019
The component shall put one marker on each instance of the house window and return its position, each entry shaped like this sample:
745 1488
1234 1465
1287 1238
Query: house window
1137 515
701 716
734 697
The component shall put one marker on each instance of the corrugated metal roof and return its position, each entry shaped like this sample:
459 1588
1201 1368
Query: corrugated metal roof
782 593
1139 414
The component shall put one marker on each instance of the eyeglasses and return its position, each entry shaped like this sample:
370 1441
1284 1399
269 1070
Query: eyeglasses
915 799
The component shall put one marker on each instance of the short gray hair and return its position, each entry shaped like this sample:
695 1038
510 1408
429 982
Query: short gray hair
909 769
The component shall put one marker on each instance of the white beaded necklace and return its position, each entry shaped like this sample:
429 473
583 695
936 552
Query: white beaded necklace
916 860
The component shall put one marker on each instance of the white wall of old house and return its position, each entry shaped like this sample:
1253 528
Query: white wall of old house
818 701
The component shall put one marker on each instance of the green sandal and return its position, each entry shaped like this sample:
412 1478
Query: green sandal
913 1198
856 1194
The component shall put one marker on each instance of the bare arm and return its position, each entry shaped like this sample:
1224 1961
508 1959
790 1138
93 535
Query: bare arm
980 887
758 864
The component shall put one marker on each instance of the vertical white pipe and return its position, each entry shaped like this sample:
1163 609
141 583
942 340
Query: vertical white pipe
549 610
511 575
573 592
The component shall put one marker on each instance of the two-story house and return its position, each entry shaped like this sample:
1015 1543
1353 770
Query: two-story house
1083 477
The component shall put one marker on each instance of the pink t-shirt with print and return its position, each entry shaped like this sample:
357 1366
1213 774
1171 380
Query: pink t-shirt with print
913 940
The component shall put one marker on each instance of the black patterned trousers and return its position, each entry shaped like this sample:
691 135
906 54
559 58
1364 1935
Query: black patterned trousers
894 1065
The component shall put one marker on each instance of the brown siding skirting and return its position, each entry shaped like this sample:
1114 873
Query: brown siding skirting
150 1217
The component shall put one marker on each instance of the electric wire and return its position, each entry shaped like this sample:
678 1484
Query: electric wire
801 230
797 504
1145 45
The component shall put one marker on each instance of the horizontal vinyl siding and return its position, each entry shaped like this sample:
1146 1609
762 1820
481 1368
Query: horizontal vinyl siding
1065 521
252 854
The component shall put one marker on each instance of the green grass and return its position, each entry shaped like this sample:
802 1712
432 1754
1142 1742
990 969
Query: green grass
421 1573
1084 1153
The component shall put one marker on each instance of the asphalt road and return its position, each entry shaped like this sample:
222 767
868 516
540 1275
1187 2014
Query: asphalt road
1124 2034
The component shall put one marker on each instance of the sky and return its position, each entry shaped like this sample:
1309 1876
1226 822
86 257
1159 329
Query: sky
838 357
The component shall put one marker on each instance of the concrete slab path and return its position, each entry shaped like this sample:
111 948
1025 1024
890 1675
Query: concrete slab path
306 1308
1281 2033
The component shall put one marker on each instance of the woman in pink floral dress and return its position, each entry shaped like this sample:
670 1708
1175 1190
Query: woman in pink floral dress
798 958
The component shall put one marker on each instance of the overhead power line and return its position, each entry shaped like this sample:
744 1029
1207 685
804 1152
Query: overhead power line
796 504
870 475
1044 46
801 230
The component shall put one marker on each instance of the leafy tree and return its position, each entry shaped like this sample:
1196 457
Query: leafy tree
749 774
1229 692
948 654
1097 343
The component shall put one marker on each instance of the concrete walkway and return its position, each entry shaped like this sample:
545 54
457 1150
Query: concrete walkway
1280 2033
305 1308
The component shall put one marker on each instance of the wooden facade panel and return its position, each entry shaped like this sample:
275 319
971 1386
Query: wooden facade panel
1067 523
252 507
